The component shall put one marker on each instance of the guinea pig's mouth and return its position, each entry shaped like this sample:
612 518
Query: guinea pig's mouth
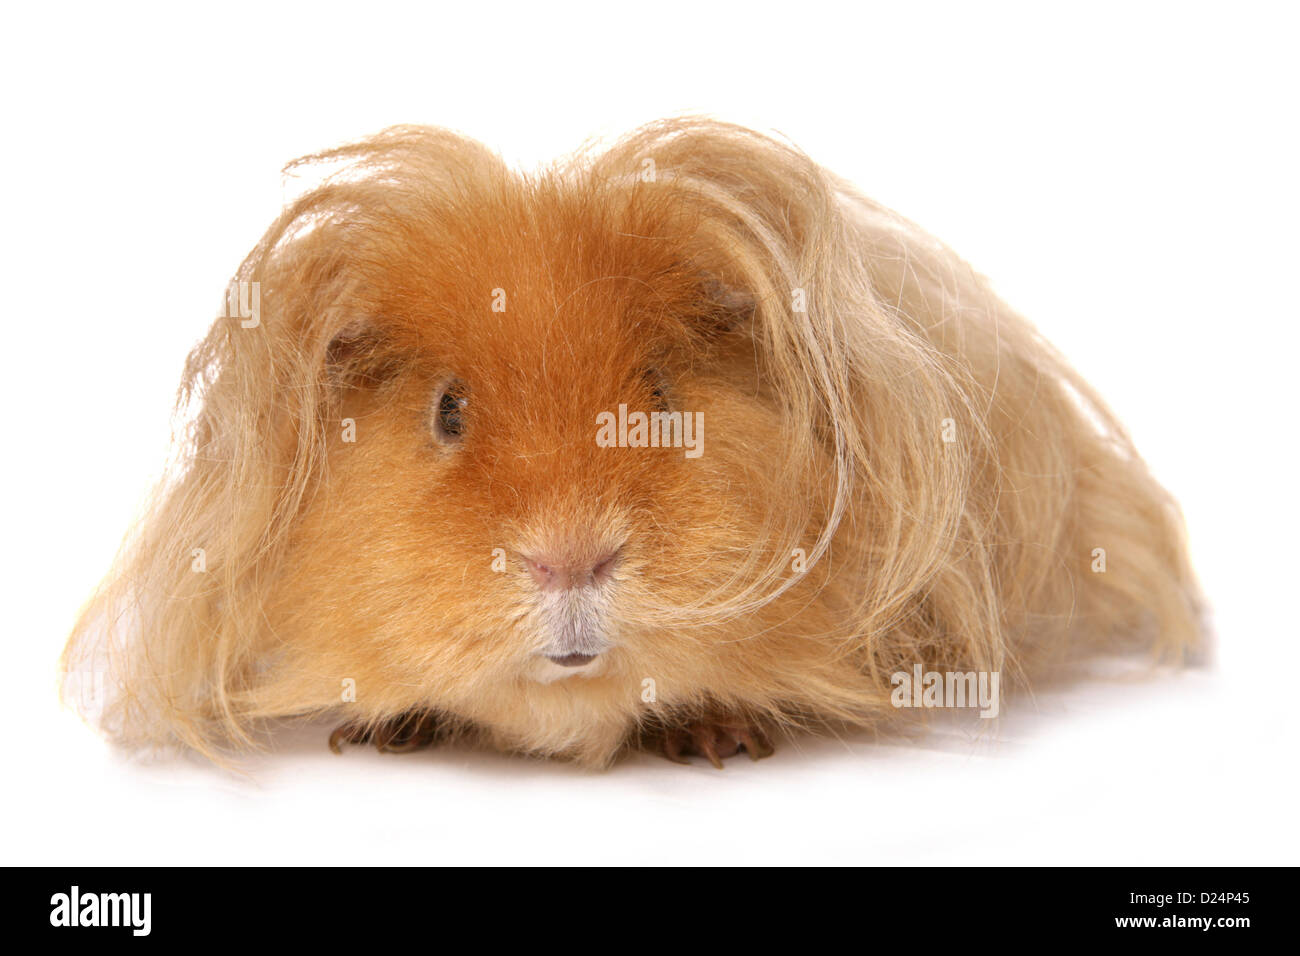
573 660
574 626
549 668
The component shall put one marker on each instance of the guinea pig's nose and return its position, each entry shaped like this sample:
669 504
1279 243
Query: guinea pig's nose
553 572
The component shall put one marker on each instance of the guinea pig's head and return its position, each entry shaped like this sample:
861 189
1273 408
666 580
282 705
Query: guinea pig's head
545 442
531 451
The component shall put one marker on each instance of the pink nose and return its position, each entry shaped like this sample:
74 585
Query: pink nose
555 573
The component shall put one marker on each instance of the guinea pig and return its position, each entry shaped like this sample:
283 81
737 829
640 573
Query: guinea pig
679 445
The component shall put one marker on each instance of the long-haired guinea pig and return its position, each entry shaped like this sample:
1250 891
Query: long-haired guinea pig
680 445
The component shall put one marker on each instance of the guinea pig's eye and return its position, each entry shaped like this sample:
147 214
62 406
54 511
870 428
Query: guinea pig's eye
448 412
657 386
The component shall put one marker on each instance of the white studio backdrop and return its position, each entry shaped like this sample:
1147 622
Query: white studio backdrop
1125 174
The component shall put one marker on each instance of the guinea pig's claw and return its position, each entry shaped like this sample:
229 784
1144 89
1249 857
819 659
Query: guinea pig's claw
672 747
399 735
715 741
346 734
756 745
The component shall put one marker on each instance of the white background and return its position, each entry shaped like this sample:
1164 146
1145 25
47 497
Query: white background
1125 173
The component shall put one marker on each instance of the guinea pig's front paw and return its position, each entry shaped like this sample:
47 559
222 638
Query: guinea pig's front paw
399 735
716 739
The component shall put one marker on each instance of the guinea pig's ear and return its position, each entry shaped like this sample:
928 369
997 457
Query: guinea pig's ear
359 355
725 306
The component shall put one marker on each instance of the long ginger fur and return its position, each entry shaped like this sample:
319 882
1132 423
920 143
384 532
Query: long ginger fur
868 403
